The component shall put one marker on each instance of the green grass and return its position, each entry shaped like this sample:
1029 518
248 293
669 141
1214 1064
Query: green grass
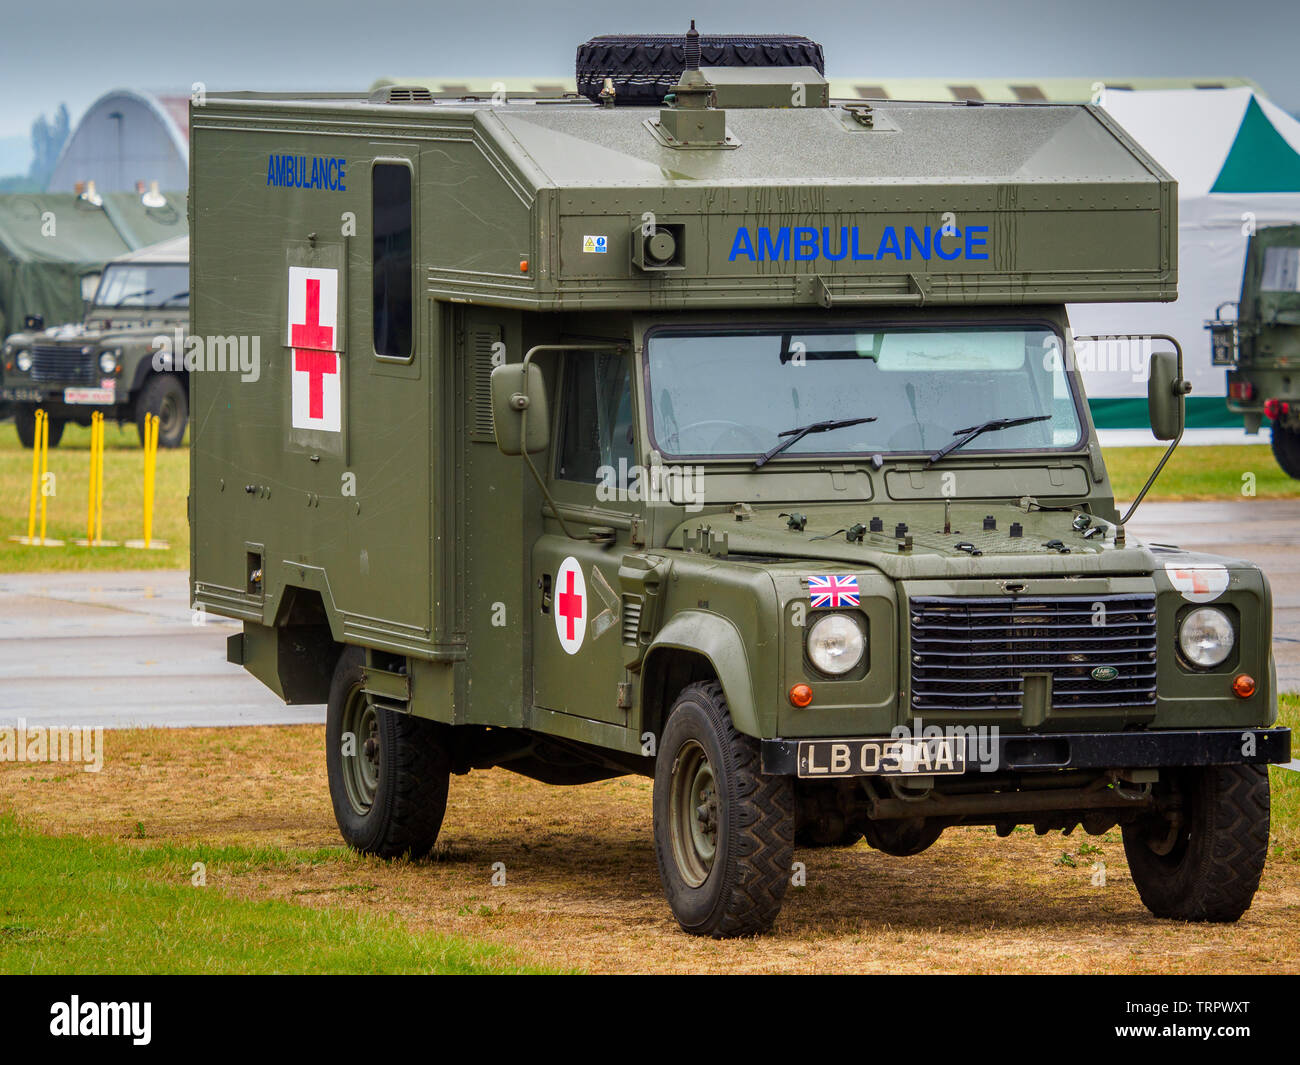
1286 787
73 905
1200 473
66 509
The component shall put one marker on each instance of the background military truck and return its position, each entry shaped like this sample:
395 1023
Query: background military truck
737 442
107 362
1261 345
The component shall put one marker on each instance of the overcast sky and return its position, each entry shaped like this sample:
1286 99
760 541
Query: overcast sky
68 50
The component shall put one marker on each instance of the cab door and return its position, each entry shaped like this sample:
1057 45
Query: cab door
577 642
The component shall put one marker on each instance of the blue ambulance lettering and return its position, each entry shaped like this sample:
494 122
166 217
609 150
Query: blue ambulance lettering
304 172
807 243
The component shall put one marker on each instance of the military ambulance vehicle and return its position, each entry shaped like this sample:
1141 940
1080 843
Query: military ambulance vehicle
735 441
114 361
1261 345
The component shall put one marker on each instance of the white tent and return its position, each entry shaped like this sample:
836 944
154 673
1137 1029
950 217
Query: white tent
1236 158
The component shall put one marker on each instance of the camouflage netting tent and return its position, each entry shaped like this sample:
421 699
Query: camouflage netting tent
54 245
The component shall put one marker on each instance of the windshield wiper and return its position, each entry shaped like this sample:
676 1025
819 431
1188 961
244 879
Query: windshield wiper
130 296
793 436
965 436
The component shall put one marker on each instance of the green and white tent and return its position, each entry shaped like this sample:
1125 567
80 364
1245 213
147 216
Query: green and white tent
53 246
1236 158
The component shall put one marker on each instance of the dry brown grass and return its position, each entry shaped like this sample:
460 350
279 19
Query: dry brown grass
582 889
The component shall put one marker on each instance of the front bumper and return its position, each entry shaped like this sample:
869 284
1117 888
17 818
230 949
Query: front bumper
1020 752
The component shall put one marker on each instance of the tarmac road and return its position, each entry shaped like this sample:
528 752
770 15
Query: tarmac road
122 649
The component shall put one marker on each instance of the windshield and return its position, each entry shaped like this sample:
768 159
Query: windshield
148 285
734 394
1281 270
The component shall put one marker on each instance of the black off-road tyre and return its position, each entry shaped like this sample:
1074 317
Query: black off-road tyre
645 67
1215 858
164 395
903 838
25 423
411 761
738 891
1286 449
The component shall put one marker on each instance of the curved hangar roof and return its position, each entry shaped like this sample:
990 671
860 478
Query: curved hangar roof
124 138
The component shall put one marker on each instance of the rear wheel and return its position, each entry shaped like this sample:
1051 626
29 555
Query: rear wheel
164 396
25 423
388 772
724 832
1286 449
903 838
1200 857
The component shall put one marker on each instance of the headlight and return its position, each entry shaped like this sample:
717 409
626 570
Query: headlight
108 361
23 360
835 644
1206 637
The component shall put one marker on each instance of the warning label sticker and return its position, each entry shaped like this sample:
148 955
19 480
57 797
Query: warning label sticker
597 245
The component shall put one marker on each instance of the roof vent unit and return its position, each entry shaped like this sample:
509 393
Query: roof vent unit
742 87
402 94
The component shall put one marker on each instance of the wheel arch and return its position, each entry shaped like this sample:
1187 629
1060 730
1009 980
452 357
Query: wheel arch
696 645
144 370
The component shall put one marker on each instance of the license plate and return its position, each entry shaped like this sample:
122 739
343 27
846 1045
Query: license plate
22 394
97 396
933 756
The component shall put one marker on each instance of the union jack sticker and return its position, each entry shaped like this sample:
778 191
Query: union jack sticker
833 591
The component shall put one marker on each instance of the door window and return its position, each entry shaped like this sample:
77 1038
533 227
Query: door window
596 417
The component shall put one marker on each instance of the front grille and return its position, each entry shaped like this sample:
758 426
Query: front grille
59 365
972 653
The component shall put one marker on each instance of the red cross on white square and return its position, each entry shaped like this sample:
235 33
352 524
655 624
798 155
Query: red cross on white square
316 366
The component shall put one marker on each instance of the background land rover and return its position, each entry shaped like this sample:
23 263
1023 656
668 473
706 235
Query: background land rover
106 362
906 516
1260 344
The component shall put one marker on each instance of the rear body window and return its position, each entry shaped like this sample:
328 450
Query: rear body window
391 266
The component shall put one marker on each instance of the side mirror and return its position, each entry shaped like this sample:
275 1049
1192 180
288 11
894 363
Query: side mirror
516 388
1165 392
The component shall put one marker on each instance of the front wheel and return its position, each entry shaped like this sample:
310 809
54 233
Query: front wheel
164 396
25 423
388 772
1286 449
1200 856
724 832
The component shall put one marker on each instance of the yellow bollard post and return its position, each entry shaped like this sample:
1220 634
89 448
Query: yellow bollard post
40 477
150 443
99 487
95 494
151 425
45 468
36 478
90 491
